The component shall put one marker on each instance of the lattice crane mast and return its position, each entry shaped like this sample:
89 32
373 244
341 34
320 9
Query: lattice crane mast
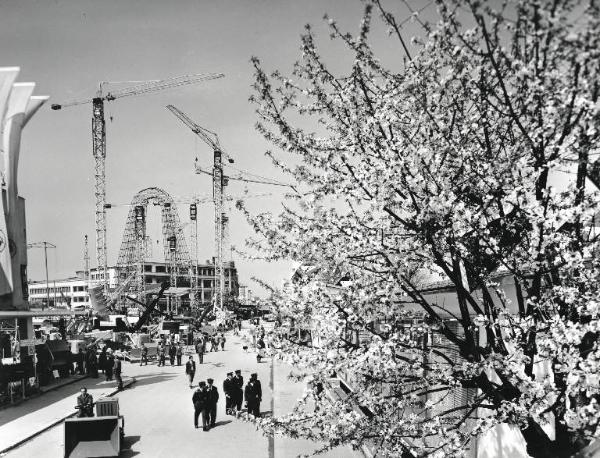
212 140
99 145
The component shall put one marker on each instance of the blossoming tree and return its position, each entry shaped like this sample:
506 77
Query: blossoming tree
447 166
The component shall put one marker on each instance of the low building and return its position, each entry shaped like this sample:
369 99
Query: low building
68 292
73 291
200 277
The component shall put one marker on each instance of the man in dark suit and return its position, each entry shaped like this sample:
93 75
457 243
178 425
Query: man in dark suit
228 392
238 392
212 398
144 355
110 362
117 372
199 401
172 354
190 369
253 394
179 353
200 349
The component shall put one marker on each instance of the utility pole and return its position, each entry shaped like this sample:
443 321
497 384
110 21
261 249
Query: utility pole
45 246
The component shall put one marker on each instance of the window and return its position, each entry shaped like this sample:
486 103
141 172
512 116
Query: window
161 269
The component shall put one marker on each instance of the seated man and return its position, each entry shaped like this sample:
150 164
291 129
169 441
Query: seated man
85 404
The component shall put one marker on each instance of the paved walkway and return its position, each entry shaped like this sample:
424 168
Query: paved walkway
159 414
39 413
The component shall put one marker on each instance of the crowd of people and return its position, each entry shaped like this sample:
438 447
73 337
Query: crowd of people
206 395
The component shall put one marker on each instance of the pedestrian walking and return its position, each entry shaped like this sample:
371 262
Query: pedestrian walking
117 371
92 363
238 392
80 361
260 346
172 353
162 355
190 370
200 350
214 346
199 401
212 399
102 360
223 342
179 353
144 355
228 392
253 395
108 366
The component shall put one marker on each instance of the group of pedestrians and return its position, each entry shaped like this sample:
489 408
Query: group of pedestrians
175 352
206 396
111 366
106 362
204 340
233 389
205 400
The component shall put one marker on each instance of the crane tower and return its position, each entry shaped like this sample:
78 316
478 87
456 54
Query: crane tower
219 181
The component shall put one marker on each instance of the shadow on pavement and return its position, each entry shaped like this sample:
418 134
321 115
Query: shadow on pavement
222 423
126 451
152 378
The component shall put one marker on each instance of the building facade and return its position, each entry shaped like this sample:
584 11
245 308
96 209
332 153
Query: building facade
73 292
200 277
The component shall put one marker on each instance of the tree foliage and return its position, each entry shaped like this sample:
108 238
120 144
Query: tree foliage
446 167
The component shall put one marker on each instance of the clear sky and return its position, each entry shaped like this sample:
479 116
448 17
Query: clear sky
68 46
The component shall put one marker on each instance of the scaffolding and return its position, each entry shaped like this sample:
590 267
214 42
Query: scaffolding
134 246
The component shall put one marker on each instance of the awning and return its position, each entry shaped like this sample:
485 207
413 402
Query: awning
7 314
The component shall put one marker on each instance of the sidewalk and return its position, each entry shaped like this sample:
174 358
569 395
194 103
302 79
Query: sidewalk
23 421
45 389
158 413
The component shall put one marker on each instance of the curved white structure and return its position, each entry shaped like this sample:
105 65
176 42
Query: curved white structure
17 106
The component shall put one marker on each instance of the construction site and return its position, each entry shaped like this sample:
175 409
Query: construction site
136 301
129 166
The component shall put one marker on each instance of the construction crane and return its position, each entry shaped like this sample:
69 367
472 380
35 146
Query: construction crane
219 182
99 145
86 260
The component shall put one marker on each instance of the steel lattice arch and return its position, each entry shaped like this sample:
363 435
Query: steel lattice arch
133 251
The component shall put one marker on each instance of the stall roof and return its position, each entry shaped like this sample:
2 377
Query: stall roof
7 314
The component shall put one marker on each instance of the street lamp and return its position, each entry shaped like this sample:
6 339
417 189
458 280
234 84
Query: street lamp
45 246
